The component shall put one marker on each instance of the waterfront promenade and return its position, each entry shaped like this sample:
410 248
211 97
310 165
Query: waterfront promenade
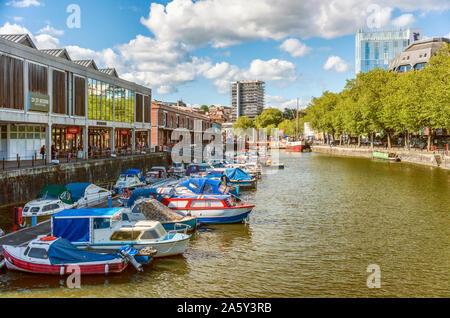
436 158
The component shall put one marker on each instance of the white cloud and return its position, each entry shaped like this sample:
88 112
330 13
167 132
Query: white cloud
9 28
282 102
336 64
18 19
24 3
51 31
405 20
295 48
222 23
46 41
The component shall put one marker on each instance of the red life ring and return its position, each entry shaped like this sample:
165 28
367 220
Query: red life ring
48 238
126 194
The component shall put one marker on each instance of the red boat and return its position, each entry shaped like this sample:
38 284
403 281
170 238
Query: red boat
296 146
49 255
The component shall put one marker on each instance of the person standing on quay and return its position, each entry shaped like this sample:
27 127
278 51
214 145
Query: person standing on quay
43 151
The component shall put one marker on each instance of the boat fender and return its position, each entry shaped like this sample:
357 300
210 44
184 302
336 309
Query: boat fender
47 238
106 269
126 194
61 270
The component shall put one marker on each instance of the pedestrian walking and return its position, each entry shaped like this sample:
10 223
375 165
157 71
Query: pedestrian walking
43 151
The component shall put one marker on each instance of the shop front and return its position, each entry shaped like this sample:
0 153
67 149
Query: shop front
99 141
67 141
122 139
141 139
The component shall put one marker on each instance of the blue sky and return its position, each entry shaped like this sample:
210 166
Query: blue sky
193 50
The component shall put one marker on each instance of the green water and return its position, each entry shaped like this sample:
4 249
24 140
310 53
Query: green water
317 226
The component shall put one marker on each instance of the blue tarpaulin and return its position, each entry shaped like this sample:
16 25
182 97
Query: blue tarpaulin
203 186
141 193
77 190
74 230
74 213
237 174
134 172
64 252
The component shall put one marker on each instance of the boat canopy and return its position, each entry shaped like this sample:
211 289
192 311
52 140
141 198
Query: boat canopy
75 224
133 172
57 192
62 251
236 174
78 190
149 193
204 186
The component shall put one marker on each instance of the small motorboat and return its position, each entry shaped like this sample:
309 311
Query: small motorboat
390 156
110 229
156 174
87 194
198 170
210 209
240 178
55 256
130 180
52 199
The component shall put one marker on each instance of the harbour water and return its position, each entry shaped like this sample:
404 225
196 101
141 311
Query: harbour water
318 224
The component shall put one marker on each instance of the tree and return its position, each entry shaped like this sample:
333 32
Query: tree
244 123
270 116
204 108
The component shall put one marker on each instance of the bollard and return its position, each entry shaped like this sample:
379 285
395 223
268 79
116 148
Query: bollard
109 201
33 221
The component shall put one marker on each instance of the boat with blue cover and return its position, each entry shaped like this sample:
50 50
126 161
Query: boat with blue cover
110 229
57 256
236 176
129 180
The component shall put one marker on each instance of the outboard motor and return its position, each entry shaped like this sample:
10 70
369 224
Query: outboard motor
129 253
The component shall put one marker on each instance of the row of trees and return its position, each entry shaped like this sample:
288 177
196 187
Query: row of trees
275 118
388 103
379 101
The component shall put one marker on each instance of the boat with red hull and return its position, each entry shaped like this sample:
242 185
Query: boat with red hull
53 256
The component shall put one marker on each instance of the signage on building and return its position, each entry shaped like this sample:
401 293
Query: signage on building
101 123
69 137
73 130
39 102
124 132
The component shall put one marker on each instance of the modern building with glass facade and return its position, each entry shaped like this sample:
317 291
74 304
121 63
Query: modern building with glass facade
71 107
247 99
376 49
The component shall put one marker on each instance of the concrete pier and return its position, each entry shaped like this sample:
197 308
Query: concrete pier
24 184
435 159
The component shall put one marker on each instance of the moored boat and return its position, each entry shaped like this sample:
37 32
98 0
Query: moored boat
130 180
110 229
390 156
56 256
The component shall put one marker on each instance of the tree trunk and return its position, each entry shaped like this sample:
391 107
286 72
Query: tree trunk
406 140
389 139
340 140
359 141
349 140
371 140
429 140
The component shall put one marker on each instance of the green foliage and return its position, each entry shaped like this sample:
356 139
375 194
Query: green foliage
204 108
386 102
269 117
243 123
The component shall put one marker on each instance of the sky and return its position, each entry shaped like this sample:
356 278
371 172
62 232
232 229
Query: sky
193 50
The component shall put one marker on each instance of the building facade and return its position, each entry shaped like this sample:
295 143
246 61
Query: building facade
376 49
71 107
166 117
247 99
220 114
416 55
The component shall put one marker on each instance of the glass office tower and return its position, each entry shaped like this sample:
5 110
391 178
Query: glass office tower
377 48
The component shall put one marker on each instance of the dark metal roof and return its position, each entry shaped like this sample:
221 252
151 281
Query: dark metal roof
23 39
58 53
87 63
110 71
